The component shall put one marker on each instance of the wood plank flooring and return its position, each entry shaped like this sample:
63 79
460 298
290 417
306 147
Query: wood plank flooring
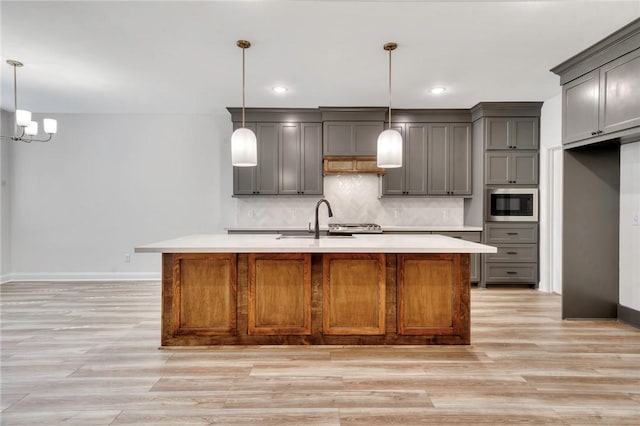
87 354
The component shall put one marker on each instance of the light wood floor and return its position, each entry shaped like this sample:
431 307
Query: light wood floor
87 353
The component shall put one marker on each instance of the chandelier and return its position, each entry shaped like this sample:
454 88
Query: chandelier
25 128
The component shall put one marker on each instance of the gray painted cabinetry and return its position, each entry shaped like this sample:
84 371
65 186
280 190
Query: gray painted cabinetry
262 179
603 102
351 138
511 168
437 161
510 132
517 257
300 151
449 155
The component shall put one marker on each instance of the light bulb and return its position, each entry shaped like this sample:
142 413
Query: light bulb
50 125
31 129
23 117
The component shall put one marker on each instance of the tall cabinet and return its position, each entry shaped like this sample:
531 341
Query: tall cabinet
510 137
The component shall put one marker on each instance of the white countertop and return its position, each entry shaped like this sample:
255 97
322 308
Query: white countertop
388 228
361 243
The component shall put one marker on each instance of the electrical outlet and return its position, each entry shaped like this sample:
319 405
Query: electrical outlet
635 218
127 258
251 213
396 213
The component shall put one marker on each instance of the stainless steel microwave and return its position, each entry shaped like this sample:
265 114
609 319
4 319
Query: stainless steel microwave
512 205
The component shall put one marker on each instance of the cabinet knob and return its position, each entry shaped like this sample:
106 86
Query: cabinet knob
599 131
512 233
594 133
512 252
512 273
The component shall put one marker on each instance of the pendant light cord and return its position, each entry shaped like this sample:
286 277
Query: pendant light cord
389 89
15 98
243 83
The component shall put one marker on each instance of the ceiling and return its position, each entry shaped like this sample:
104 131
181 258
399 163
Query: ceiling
181 57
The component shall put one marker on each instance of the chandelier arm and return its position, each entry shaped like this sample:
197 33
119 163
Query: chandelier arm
41 140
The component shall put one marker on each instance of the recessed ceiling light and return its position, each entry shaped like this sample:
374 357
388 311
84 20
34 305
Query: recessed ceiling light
437 90
280 89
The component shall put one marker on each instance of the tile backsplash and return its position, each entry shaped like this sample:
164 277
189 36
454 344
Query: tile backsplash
353 198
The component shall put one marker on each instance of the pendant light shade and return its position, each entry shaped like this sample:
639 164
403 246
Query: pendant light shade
244 144
390 140
390 149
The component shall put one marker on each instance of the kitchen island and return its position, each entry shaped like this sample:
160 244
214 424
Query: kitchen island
274 289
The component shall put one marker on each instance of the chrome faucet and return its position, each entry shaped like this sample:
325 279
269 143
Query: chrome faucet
317 228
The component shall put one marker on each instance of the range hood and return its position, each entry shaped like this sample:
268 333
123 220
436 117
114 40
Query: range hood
339 165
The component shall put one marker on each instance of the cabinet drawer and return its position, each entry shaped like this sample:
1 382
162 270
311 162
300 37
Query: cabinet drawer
497 233
511 272
514 253
473 236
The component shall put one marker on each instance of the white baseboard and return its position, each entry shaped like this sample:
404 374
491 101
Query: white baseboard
82 276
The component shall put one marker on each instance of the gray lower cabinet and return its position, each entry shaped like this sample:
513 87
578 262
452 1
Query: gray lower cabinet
511 133
449 159
300 151
262 179
516 261
511 168
351 138
603 101
411 178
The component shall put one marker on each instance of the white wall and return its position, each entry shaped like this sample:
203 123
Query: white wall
630 226
550 213
107 183
6 128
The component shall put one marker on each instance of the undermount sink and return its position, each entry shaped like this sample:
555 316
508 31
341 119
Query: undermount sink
310 237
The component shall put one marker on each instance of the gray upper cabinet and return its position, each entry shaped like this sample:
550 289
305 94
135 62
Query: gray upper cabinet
511 133
620 93
411 178
289 161
262 179
351 138
603 101
300 148
449 155
511 168
580 107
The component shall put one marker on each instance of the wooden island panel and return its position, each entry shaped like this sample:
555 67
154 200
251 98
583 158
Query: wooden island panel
429 301
361 302
353 294
279 299
204 290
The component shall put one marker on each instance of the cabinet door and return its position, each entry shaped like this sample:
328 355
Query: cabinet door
351 138
497 133
267 171
415 158
580 107
620 93
523 133
311 173
460 160
393 182
524 168
244 178
439 164
337 138
496 169
290 156
365 138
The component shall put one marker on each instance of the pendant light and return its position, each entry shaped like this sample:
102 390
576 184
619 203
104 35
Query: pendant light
390 140
26 129
244 144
